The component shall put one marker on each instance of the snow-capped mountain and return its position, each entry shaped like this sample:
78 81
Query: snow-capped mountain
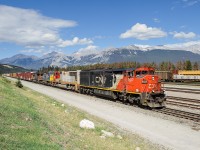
192 46
139 53
56 59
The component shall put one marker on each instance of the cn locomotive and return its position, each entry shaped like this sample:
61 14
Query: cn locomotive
135 86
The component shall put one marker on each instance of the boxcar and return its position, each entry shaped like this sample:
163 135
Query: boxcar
165 75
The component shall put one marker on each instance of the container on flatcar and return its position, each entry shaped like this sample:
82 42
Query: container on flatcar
51 76
14 75
35 77
32 75
28 75
39 77
66 78
46 77
20 75
71 79
57 76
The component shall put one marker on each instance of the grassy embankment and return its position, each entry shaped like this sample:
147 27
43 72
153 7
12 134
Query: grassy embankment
29 120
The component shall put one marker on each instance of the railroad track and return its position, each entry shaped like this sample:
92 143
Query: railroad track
183 83
180 114
184 102
185 90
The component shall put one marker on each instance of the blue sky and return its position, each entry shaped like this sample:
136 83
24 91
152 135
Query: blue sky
36 27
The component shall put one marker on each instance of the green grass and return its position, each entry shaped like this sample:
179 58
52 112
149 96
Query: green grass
29 120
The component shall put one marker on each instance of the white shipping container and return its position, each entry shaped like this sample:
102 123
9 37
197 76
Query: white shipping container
64 77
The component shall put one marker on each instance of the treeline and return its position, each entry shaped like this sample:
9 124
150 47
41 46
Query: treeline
163 66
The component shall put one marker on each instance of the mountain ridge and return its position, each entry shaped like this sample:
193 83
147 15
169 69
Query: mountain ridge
129 53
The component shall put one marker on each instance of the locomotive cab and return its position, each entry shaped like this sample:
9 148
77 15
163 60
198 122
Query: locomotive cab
144 71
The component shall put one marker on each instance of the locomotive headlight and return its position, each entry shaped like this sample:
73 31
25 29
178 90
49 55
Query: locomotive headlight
152 78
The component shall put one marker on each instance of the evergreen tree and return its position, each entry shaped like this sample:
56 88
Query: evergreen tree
179 65
161 66
195 66
188 65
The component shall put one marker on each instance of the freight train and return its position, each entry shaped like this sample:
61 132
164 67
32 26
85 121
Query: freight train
179 75
135 86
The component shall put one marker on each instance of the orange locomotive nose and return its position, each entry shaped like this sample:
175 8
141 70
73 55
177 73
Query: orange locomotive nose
153 84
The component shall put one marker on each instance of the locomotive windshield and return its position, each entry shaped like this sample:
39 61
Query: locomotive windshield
151 72
144 72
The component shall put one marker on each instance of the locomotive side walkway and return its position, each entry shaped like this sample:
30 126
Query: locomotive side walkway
168 133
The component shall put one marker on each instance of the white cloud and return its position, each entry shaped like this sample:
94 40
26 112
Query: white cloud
40 49
75 41
142 32
188 3
98 37
186 44
183 26
192 46
90 49
184 4
30 28
183 35
32 51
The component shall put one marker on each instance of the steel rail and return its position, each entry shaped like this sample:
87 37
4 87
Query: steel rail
193 91
180 114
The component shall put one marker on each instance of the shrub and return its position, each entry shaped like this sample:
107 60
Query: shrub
19 84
